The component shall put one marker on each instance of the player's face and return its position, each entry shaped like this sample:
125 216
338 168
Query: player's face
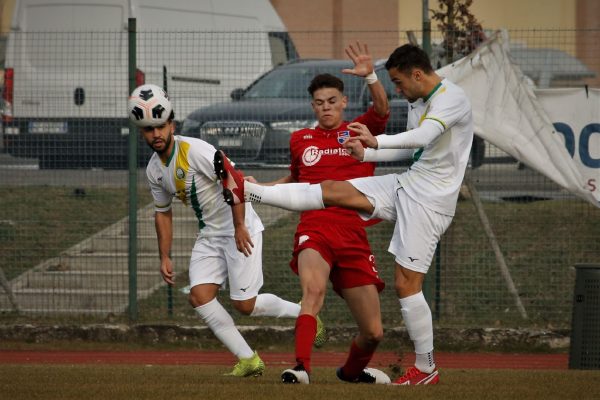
328 105
408 84
159 138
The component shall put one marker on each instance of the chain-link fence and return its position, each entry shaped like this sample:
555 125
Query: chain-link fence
64 183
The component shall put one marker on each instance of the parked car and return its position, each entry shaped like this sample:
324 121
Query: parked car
66 72
255 126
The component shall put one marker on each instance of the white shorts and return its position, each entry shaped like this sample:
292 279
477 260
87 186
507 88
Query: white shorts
417 230
214 259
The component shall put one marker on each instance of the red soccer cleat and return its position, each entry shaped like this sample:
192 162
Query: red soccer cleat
232 179
414 376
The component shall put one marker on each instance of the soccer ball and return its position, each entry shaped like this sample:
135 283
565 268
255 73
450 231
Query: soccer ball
149 105
380 377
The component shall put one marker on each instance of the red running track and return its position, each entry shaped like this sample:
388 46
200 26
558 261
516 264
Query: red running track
325 359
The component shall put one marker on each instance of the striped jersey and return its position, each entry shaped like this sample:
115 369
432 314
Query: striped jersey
189 175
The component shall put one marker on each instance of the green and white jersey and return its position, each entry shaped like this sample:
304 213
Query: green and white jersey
435 177
189 175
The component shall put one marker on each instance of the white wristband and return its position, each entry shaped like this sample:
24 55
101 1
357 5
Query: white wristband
371 78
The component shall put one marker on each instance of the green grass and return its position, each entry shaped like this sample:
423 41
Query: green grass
40 222
205 382
541 241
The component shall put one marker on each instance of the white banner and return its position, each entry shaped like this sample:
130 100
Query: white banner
508 114
575 114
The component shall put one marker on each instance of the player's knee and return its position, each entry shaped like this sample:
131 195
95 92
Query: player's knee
313 294
197 301
243 306
406 285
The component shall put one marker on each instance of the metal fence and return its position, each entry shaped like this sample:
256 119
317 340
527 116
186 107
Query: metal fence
64 183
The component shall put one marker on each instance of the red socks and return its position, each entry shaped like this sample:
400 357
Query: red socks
306 330
357 361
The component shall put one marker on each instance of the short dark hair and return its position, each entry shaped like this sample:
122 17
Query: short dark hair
407 57
325 81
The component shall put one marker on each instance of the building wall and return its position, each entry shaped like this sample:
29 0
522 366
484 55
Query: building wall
509 14
321 28
588 42
533 23
6 9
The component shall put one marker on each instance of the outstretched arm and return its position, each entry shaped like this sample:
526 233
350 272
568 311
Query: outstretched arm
357 151
412 139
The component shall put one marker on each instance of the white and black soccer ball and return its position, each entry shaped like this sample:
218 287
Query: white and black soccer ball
149 105
380 377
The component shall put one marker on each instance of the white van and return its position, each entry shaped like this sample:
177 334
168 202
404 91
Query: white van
66 70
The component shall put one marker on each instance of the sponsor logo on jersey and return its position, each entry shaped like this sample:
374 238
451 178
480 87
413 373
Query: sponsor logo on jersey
309 136
342 136
312 154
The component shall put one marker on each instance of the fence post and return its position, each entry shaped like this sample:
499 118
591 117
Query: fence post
426 28
132 156
169 287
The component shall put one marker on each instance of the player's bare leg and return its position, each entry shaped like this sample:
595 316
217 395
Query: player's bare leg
313 272
363 302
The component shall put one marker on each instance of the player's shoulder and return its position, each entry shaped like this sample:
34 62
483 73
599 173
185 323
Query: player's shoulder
195 144
153 166
452 89
450 93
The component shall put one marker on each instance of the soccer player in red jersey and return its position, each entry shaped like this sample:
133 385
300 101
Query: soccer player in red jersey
332 243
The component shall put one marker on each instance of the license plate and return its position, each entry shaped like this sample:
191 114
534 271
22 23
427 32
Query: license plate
47 127
230 142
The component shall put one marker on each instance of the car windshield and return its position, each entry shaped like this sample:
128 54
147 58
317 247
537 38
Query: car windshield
292 82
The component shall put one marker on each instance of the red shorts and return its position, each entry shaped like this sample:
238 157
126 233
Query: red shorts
346 250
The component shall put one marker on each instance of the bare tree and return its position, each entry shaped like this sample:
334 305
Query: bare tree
461 31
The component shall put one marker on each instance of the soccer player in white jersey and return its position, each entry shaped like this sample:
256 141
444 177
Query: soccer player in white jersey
229 243
421 201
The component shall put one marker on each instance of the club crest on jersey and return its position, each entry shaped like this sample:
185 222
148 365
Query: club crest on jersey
342 136
180 173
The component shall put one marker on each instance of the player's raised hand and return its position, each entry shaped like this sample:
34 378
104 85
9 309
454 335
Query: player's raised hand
360 56
363 134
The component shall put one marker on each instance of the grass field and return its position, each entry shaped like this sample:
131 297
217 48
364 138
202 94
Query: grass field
541 241
102 382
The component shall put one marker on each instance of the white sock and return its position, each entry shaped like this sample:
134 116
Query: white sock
289 196
221 324
269 305
419 324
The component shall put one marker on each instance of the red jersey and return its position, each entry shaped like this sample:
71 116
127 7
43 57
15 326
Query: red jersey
317 154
